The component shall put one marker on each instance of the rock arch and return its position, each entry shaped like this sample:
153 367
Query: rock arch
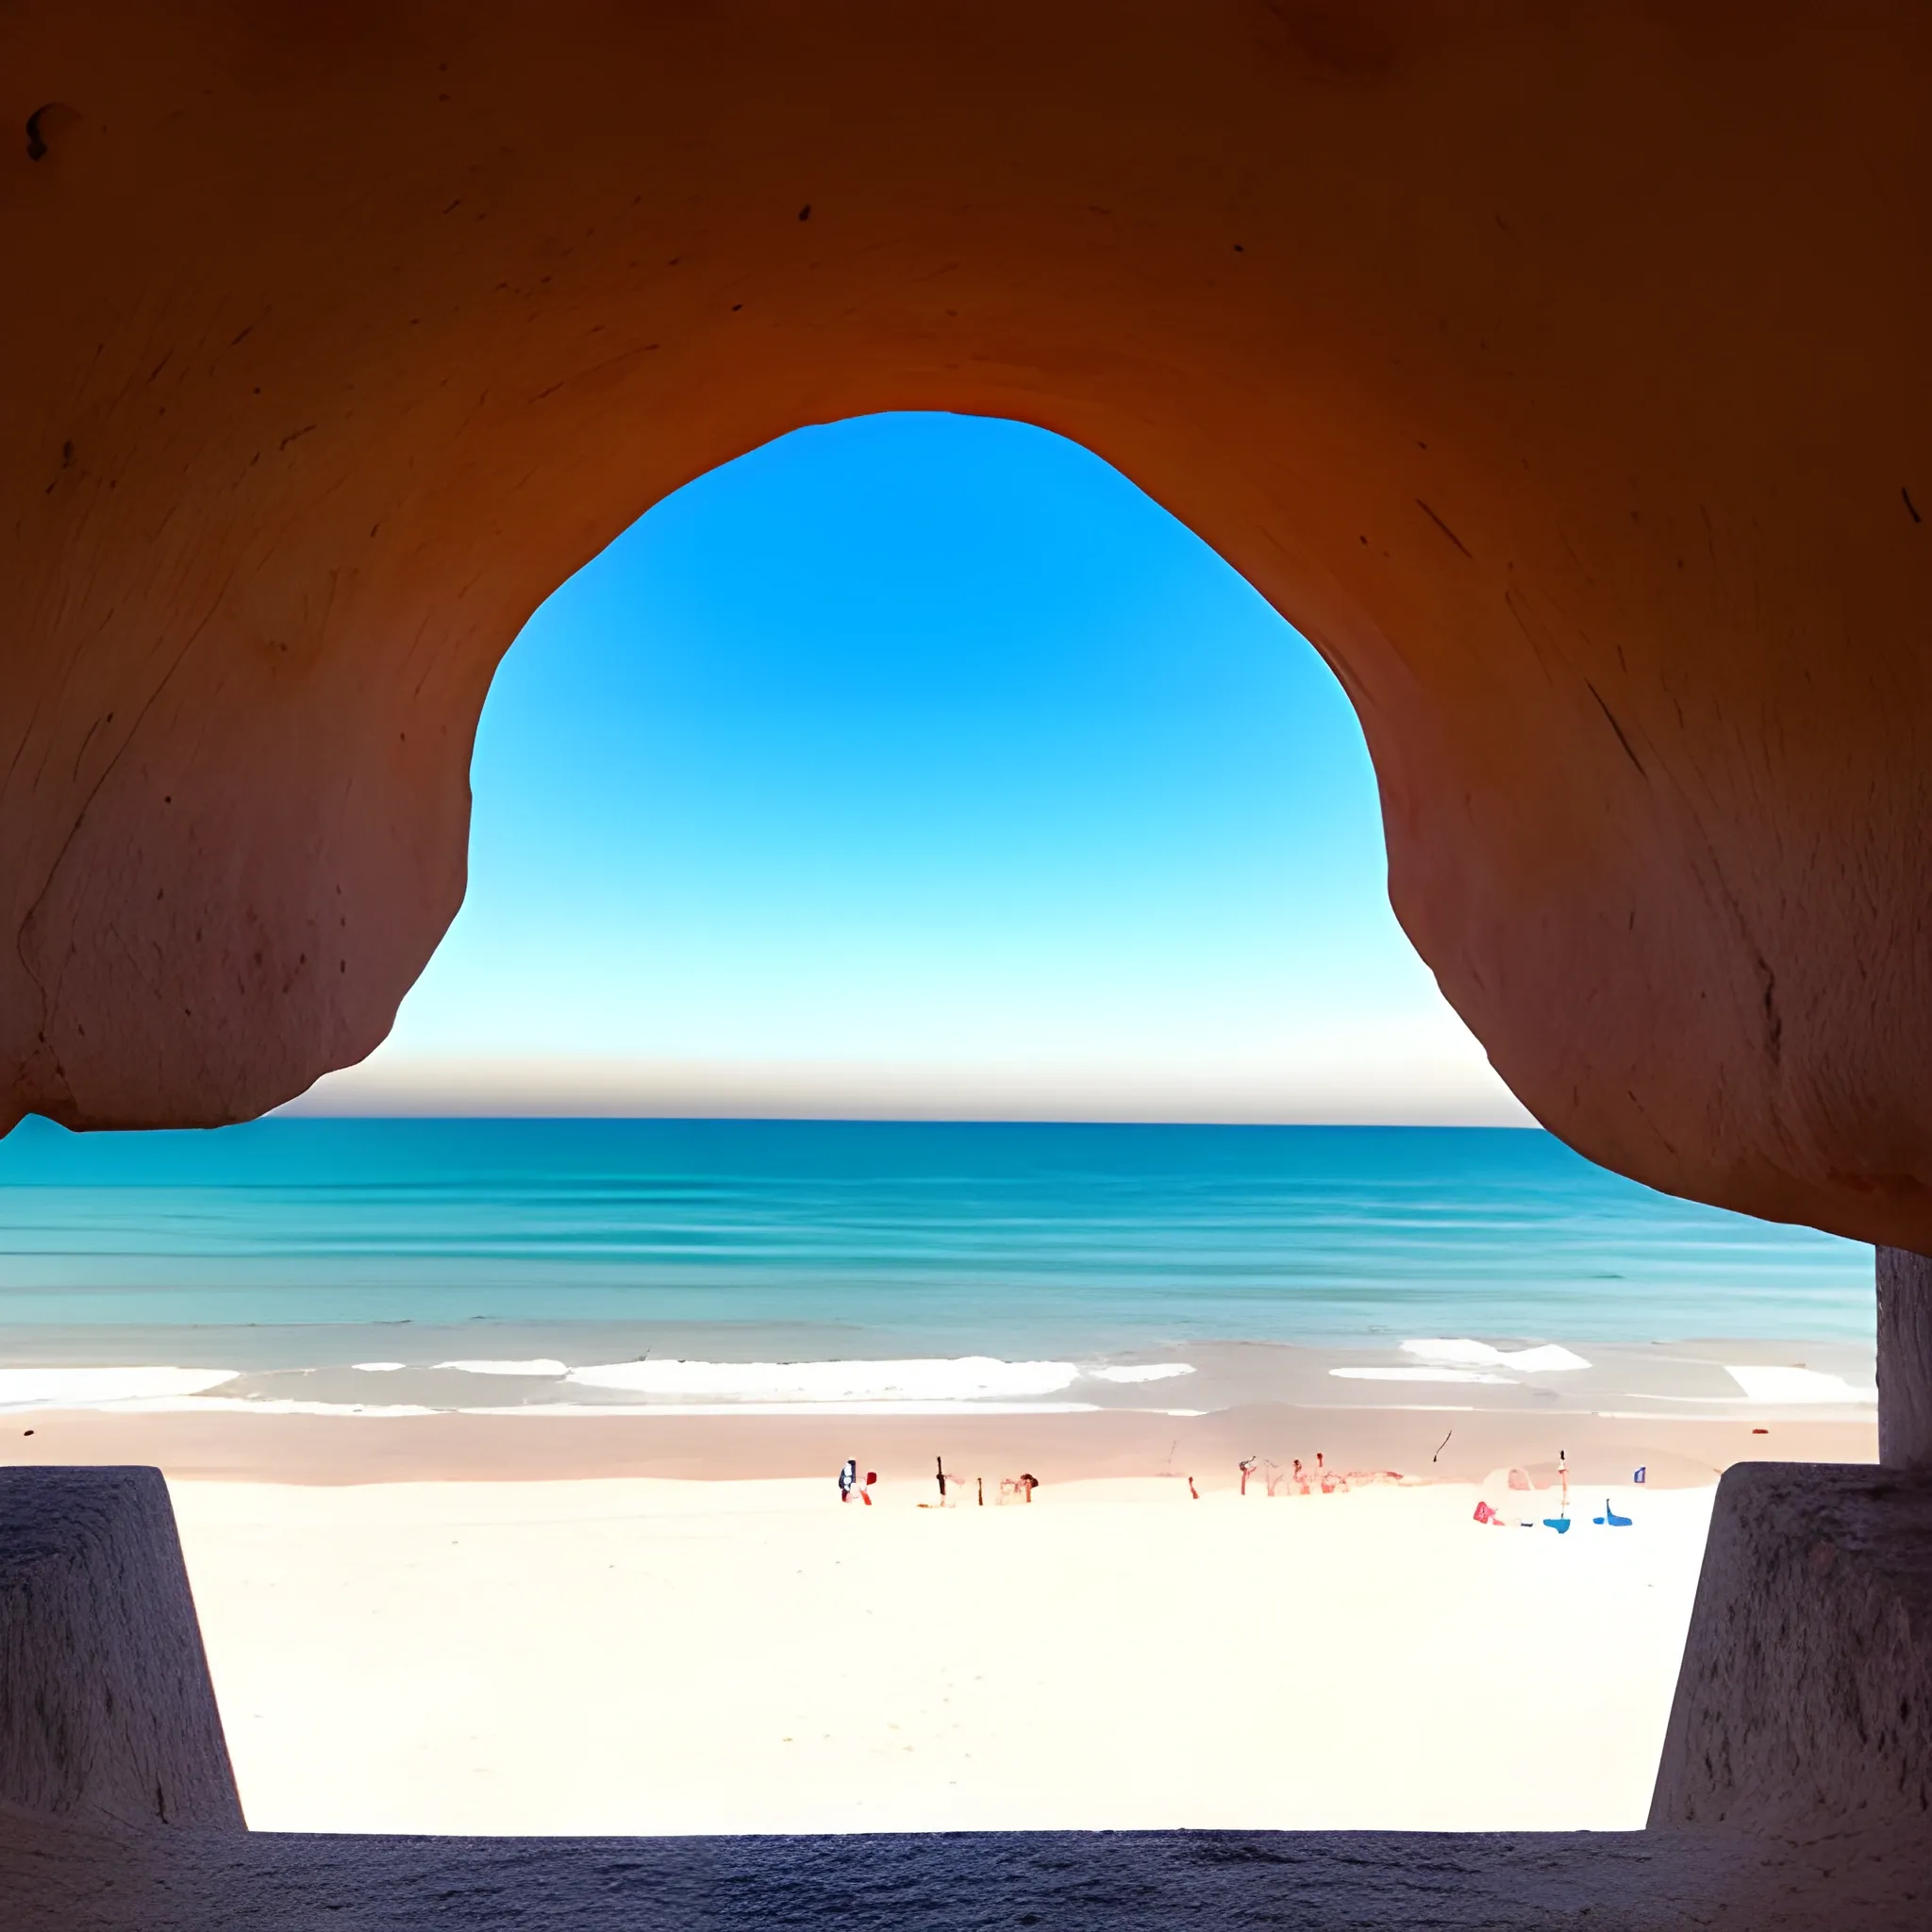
1558 375
1559 371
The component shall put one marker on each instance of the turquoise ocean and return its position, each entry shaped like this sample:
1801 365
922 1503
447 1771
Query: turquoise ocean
753 1240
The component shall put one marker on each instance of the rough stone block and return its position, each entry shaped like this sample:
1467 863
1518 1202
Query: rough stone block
106 1705
1804 1701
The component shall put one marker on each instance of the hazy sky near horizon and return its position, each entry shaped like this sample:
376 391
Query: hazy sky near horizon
923 763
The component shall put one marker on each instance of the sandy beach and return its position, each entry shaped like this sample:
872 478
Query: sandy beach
670 1624
641 1656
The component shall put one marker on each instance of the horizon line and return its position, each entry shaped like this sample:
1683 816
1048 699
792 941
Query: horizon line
1332 1088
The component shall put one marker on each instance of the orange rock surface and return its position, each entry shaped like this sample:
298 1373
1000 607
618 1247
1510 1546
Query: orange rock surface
1560 372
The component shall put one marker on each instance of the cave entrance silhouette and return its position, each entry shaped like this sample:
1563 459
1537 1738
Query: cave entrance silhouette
1559 374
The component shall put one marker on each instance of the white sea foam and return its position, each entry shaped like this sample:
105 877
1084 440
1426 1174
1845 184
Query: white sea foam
90 1387
1796 1385
378 1368
1145 1372
1461 1352
964 1379
541 1366
1420 1375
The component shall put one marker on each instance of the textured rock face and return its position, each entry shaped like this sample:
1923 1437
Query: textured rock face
1805 1703
1559 371
105 1709
57 1877
1904 1360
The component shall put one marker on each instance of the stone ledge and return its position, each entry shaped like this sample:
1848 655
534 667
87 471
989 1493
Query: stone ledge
56 1877
61 1875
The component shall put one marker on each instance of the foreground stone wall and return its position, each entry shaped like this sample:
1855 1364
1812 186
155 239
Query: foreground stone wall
1788 1751
106 1712
1558 371
56 1877
1805 1703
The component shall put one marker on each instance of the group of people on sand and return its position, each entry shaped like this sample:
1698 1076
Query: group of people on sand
1012 1488
1298 1479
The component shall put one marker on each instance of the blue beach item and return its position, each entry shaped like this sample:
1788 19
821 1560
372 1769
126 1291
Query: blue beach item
1560 1524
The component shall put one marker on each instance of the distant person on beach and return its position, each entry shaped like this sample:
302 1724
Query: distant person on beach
1247 1469
1301 1477
848 1475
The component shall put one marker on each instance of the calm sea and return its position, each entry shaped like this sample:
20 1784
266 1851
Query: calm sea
883 1239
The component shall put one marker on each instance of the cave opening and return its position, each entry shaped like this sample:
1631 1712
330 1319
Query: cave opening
920 761
926 994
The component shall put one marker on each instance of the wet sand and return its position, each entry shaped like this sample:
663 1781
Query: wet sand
1442 1443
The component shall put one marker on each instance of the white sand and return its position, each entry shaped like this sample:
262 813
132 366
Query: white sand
651 1656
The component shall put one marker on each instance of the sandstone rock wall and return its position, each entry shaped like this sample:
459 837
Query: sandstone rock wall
1558 371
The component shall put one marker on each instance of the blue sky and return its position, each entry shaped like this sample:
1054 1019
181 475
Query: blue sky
921 764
